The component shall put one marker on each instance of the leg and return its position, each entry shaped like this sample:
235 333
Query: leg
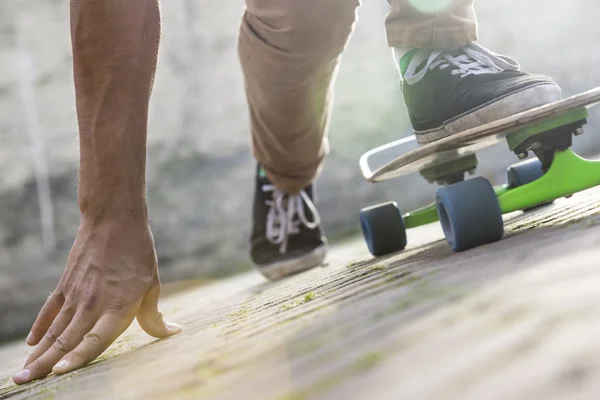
451 84
289 52
428 28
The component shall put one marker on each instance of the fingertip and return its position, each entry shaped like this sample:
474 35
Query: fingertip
61 367
21 377
31 339
162 330
173 328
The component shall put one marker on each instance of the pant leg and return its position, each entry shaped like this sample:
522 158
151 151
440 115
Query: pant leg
289 52
430 24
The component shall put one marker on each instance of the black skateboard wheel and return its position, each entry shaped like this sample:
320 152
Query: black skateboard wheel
383 228
469 214
524 172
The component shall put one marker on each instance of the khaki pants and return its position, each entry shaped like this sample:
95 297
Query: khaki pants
289 52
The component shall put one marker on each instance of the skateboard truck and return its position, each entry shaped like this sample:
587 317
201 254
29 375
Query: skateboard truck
545 143
451 171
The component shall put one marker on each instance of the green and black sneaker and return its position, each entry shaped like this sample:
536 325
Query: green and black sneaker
449 91
286 230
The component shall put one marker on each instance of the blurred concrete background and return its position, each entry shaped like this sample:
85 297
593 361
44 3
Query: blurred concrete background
200 168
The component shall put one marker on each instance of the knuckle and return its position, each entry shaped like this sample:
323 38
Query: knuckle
157 317
51 335
61 345
58 295
116 308
92 339
89 301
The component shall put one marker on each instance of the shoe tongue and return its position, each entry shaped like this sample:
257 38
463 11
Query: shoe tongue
261 173
261 176
405 60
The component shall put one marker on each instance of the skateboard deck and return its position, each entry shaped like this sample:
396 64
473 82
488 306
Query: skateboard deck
473 140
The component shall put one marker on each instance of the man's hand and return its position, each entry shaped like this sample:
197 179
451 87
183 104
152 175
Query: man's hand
111 277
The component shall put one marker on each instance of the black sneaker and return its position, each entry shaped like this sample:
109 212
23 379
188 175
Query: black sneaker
447 92
286 232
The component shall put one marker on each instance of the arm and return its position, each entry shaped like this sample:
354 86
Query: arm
111 276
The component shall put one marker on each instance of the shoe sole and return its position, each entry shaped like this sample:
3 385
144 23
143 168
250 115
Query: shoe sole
510 104
285 268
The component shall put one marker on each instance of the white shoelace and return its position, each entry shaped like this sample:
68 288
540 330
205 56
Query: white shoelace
281 218
474 60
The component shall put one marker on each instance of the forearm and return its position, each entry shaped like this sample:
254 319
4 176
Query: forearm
115 46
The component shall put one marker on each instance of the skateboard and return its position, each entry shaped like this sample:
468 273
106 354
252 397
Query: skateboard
470 210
